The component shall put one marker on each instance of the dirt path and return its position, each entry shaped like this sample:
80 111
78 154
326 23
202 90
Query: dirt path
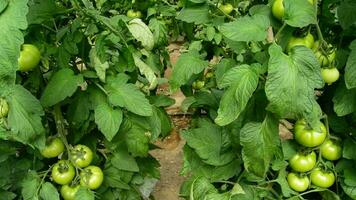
171 160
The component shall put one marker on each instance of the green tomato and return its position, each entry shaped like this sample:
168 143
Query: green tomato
226 8
63 172
307 41
133 14
303 163
68 192
81 155
297 183
91 177
309 137
278 9
209 75
29 58
4 108
331 150
197 85
330 75
53 148
323 179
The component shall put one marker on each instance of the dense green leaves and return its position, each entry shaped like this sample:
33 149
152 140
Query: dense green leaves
350 69
196 14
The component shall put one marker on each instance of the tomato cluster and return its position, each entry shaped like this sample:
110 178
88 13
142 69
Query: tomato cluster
305 165
64 171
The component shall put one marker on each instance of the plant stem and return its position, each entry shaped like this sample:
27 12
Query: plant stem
279 31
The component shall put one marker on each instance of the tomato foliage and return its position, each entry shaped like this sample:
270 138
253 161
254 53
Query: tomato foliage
86 74
270 85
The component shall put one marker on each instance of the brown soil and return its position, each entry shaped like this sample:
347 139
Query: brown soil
171 159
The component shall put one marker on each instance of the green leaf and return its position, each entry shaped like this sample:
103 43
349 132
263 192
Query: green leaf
147 71
108 120
194 164
41 11
200 188
100 67
141 33
79 110
49 192
224 196
350 69
29 186
197 14
346 13
291 82
299 13
12 21
159 31
208 141
243 82
260 142
349 190
25 115
187 64
62 84
246 28
128 96
137 141
123 160
349 150
344 100
282 181
84 194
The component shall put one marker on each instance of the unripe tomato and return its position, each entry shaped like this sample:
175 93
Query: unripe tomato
91 177
323 179
29 58
209 75
297 183
309 137
133 14
278 9
4 108
68 192
197 85
53 148
303 162
330 75
331 150
63 172
307 41
81 155
226 8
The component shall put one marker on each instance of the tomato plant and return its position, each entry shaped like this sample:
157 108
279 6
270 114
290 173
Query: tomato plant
303 162
103 73
91 177
298 183
81 155
63 172
54 147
